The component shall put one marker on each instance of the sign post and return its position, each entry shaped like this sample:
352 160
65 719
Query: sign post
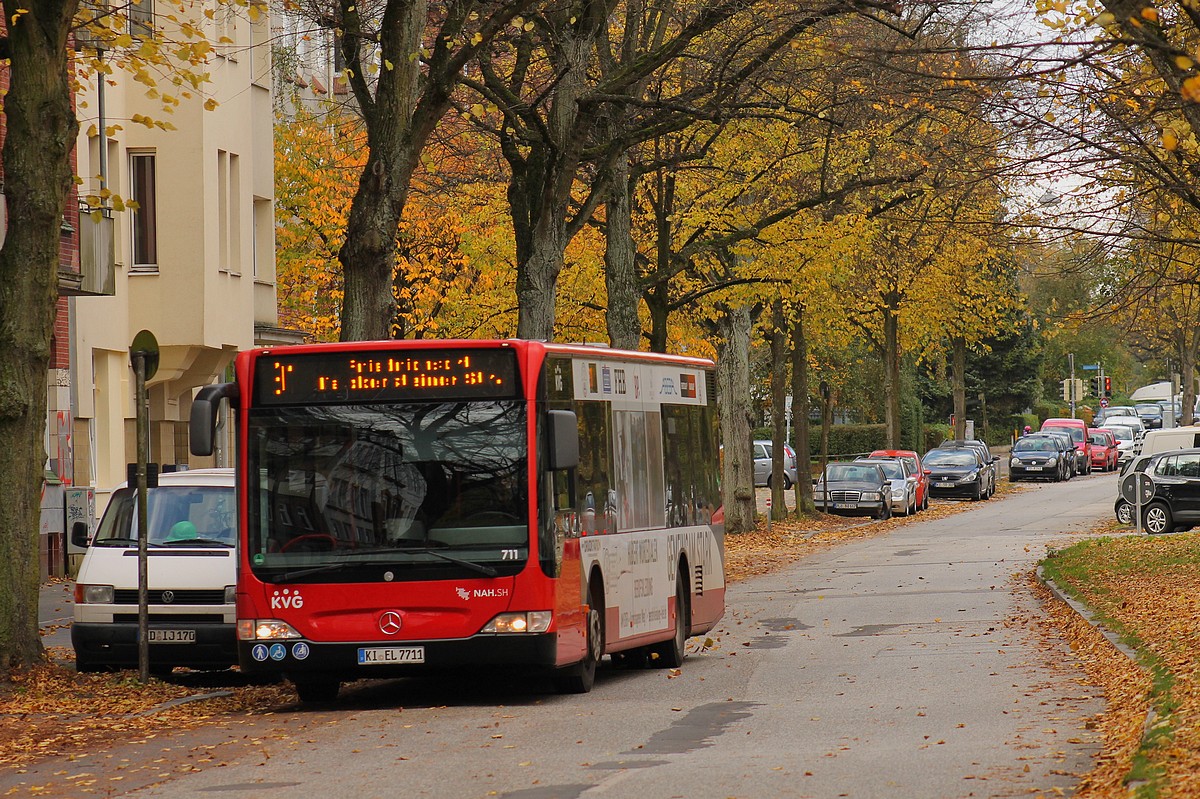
143 355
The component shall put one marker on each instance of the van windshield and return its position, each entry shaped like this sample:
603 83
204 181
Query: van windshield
177 516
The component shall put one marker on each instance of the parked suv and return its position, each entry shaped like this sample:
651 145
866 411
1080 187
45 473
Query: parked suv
990 469
1175 504
762 464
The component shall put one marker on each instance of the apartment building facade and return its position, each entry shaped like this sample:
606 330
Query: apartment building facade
193 262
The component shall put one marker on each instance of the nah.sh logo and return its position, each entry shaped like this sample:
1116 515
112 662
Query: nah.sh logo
286 599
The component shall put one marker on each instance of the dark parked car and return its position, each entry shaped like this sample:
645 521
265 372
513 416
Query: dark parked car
1075 464
854 489
1150 413
957 472
990 469
1042 457
1175 504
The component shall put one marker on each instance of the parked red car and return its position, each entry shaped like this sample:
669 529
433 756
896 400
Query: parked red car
914 465
1104 449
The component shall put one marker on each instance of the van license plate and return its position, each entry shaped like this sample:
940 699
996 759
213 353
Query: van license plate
391 654
171 636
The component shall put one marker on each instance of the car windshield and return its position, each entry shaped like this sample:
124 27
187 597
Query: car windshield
1076 433
1099 438
949 458
1034 445
1122 433
1148 410
342 484
177 516
851 472
891 469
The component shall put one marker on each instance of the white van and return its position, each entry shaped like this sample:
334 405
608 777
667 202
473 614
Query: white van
191 577
1156 441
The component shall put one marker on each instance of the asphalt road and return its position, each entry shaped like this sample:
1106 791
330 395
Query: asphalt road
896 666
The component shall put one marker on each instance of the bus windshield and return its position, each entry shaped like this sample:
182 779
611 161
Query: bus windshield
386 484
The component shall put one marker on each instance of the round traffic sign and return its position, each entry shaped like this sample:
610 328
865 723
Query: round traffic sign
1104 402
1136 483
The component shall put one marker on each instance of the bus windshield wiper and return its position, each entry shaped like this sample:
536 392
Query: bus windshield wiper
425 549
295 574
469 564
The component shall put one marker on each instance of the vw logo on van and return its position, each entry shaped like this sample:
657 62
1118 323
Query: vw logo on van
389 623
168 597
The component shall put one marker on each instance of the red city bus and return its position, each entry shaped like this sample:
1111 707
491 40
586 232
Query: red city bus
410 505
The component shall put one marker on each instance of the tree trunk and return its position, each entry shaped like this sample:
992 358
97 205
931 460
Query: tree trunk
891 377
620 261
547 190
778 339
958 347
1187 374
733 392
368 256
40 132
804 492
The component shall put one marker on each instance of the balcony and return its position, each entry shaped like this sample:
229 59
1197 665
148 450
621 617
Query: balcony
97 256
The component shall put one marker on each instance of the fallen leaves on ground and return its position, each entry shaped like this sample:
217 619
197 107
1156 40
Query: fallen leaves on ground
1146 588
51 709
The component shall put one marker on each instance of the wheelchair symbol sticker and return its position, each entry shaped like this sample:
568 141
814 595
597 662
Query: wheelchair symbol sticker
278 651
300 651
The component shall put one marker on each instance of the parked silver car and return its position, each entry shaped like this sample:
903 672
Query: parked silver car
903 483
762 465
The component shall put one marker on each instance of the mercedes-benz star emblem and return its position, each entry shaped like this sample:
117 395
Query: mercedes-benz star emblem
168 597
390 622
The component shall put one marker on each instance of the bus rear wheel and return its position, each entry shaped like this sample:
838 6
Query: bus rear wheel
316 689
580 677
671 653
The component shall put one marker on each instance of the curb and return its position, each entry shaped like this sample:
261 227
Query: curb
183 700
1086 614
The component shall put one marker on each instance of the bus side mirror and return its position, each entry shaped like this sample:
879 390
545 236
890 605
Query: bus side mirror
202 425
79 534
562 427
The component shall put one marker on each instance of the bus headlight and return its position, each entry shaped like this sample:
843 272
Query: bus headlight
265 630
535 621
93 594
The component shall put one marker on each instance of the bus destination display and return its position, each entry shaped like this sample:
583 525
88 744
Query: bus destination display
385 376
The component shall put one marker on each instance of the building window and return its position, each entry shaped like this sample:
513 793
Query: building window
145 215
141 18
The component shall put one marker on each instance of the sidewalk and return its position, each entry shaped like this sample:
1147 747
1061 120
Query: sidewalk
55 612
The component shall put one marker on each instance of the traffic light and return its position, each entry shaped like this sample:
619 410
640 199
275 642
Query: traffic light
1097 386
1107 386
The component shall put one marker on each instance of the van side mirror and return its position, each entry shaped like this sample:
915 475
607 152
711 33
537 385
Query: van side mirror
79 534
562 429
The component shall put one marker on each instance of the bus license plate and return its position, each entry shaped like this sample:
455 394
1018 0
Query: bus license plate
171 636
391 654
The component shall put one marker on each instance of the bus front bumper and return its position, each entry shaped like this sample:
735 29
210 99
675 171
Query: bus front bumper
358 660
